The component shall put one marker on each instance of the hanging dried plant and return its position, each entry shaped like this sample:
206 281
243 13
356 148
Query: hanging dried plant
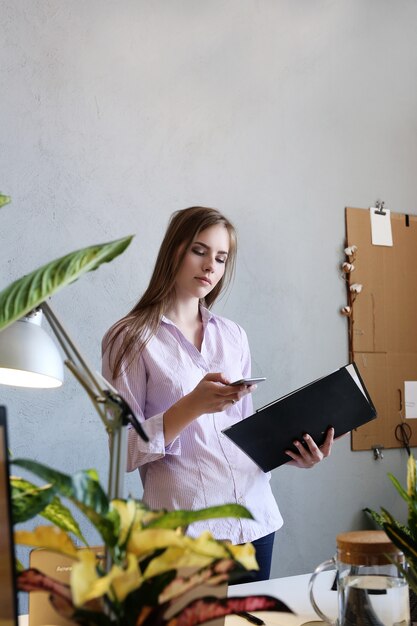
353 290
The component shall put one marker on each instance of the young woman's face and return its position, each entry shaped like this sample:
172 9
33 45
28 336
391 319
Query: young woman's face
204 263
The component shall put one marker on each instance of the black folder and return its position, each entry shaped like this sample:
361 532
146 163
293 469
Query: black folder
339 399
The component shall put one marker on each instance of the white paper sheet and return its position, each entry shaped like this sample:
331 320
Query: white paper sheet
381 228
351 370
410 400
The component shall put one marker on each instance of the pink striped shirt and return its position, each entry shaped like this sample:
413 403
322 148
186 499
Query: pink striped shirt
201 467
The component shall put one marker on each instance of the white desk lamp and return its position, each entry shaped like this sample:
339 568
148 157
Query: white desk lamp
29 357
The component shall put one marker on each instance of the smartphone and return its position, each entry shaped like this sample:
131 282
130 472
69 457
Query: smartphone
247 381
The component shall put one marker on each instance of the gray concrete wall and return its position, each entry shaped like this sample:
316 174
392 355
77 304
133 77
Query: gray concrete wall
280 113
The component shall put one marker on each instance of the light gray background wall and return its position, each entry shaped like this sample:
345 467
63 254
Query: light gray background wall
279 112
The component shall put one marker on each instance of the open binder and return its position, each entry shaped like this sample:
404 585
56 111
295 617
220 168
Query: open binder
339 399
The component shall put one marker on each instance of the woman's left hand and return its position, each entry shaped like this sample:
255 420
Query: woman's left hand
313 454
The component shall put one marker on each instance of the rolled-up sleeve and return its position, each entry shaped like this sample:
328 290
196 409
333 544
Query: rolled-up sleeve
131 385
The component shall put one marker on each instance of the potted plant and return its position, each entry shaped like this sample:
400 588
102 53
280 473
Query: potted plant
154 564
404 535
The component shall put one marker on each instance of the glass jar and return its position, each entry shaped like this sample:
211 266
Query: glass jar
372 590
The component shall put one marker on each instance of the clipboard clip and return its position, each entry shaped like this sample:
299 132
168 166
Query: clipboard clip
378 452
379 205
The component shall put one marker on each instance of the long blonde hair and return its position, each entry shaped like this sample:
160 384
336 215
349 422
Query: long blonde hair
143 320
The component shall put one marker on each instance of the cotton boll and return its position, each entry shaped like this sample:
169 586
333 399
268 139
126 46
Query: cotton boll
350 251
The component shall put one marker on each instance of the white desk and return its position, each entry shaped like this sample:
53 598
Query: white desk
292 590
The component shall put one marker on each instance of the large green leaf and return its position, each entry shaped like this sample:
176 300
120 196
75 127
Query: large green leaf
29 500
4 200
412 520
391 521
82 487
107 525
174 519
379 518
403 493
403 541
61 516
85 491
410 574
28 292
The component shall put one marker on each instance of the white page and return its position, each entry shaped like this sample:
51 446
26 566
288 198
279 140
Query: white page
410 400
352 372
381 227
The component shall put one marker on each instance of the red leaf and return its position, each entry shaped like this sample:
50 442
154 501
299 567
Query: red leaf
205 609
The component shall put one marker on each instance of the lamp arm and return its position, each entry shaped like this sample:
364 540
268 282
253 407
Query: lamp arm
68 346
98 401
97 387
113 410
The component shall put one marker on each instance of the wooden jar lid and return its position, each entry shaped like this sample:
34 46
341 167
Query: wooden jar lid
366 547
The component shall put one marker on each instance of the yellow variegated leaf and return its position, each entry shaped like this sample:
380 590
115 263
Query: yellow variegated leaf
49 537
127 580
175 558
206 545
411 475
83 576
144 515
127 514
245 555
144 541
117 584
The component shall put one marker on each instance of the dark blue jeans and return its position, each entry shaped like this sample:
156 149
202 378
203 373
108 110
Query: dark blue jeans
263 548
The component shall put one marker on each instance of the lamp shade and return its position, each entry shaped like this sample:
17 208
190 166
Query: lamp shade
28 355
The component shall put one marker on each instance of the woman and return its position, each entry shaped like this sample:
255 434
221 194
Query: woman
173 361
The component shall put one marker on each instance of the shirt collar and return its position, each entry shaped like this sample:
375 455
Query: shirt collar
206 316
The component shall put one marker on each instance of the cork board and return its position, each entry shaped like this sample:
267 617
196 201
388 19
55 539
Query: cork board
384 317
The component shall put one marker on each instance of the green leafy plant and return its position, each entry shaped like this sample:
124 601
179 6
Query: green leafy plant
404 536
29 291
154 563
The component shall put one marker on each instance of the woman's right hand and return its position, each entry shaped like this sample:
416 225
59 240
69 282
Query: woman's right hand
214 394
